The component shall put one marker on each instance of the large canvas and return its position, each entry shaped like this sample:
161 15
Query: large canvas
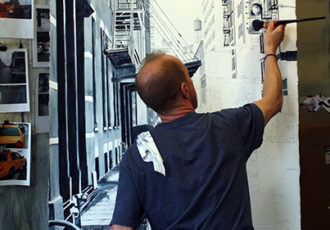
15 153
16 18
231 75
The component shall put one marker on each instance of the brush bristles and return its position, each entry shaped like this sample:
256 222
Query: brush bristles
257 24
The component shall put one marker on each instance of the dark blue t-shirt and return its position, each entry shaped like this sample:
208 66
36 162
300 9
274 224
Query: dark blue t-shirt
205 186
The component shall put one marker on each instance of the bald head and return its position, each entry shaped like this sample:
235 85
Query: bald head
159 80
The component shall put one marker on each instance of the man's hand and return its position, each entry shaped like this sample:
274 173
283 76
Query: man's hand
271 102
273 37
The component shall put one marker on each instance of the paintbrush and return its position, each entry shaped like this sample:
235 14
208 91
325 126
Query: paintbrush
258 24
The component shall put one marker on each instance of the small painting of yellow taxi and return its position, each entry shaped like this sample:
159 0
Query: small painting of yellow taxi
12 135
11 163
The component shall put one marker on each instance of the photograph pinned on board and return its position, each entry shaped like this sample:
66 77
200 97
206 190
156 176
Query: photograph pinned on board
15 153
16 18
14 89
42 103
41 42
43 94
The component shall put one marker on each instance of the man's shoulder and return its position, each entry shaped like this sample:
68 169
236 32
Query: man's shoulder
241 110
129 156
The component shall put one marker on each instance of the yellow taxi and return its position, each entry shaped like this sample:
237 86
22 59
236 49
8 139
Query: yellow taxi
12 136
10 162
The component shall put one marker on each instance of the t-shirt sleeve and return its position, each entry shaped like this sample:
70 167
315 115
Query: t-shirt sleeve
128 210
250 123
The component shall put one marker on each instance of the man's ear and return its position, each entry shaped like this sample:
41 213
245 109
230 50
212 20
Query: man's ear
185 90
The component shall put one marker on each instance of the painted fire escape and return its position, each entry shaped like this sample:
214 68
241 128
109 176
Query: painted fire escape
125 55
127 19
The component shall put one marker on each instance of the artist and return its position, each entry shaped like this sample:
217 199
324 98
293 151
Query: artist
190 173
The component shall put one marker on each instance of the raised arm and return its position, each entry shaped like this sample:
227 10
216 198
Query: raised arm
271 102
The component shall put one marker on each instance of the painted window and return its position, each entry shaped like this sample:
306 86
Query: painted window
103 79
94 77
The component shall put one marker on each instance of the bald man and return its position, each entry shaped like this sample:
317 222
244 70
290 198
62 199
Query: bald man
189 172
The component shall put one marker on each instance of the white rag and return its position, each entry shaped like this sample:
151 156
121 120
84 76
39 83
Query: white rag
149 151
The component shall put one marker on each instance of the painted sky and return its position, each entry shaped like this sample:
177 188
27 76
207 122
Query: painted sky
182 13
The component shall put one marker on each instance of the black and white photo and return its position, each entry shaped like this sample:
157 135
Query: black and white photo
41 40
14 90
42 102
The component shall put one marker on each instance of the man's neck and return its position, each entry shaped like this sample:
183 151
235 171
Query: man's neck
175 114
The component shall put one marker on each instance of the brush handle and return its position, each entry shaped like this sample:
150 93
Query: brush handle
282 22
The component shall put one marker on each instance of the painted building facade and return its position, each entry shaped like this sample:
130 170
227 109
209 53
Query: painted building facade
96 50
